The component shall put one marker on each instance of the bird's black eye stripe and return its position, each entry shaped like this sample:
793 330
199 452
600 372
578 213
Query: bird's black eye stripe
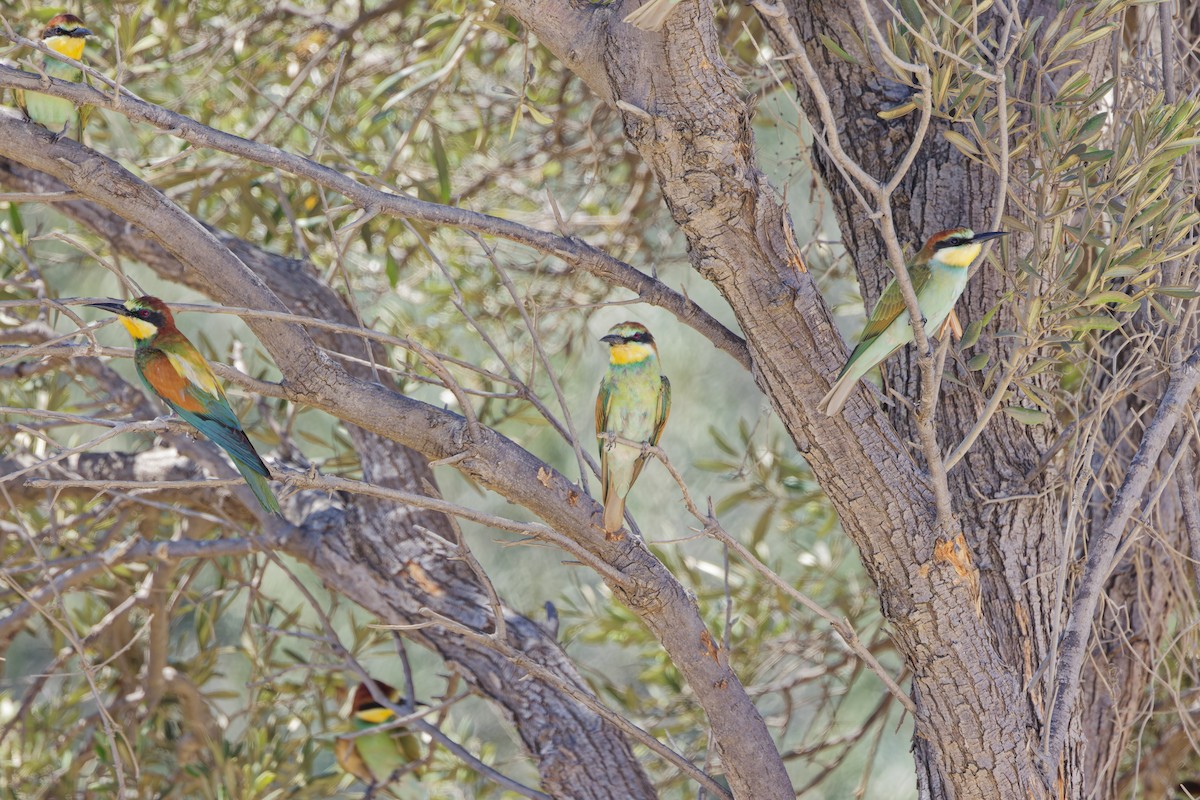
59 30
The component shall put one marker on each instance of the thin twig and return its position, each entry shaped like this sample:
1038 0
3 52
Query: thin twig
616 720
713 528
1101 548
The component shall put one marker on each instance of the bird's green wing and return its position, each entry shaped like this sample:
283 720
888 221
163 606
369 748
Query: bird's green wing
19 98
603 402
889 307
662 410
183 379
195 395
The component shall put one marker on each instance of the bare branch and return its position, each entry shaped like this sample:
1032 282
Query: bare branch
1102 547
575 252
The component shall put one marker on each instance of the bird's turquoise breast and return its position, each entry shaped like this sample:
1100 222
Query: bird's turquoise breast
936 298
942 291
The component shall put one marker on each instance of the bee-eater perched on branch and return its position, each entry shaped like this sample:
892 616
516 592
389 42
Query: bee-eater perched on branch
634 403
64 34
374 758
939 275
172 368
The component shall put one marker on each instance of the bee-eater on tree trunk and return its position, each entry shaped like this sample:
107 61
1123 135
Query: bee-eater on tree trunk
633 404
64 34
374 758
939 275
172 368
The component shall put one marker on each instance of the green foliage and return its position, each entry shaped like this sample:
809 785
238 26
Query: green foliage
450 102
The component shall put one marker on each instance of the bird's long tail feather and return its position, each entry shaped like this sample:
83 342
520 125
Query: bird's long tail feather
260 487
831 404
651 16
614 513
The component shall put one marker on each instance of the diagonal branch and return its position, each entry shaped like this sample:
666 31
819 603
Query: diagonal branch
573 251
488 458
1102 549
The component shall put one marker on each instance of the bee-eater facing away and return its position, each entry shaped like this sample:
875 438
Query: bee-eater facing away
64 34
374 757
172 368
939 275
634 402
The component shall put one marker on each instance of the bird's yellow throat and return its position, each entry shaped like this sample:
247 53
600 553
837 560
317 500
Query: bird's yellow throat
376 716
629 353
960 256
69 46
138 328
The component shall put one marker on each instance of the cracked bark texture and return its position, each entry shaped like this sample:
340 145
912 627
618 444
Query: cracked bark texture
637 578
1015 542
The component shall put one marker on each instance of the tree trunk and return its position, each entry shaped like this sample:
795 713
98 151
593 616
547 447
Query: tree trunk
976 610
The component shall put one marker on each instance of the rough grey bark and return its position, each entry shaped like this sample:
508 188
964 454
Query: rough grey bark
637 578
684 113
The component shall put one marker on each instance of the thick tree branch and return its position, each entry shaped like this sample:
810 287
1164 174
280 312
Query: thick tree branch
495 462
669 88
568 741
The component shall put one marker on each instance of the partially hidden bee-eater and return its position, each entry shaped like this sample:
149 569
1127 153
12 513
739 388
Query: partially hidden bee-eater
172 368
652 15
63 34
939 275
633 404
374 758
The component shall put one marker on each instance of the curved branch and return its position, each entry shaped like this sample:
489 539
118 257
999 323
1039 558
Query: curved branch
492 460
573 251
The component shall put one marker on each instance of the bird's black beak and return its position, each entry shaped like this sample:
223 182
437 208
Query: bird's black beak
82 32
115 307
983 237
613 338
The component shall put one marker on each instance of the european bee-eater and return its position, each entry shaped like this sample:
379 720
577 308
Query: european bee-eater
634 402
939 275
374 758
172 368
64 34
652 15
